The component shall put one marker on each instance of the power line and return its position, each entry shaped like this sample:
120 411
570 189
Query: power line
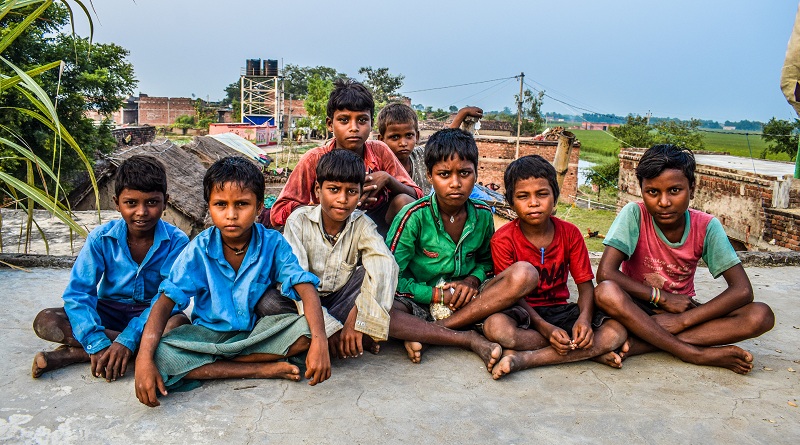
454 86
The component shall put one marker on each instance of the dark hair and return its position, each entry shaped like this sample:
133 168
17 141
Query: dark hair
143 173
340 165
448 143
664 157
531 166
350 95
237 170
396 113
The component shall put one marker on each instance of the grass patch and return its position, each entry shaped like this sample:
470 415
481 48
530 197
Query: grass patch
736 144
588 219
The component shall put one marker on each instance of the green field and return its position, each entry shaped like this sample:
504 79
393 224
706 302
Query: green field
600 147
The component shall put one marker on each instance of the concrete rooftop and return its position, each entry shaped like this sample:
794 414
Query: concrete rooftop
448 398
756 166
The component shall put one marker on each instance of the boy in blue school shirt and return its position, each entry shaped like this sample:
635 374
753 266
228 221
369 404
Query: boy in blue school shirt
114 278
225 270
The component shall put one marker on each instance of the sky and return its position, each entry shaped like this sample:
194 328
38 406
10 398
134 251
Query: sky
706 59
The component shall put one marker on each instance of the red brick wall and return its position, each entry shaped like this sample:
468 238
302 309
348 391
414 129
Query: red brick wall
163 110
496 153
783 227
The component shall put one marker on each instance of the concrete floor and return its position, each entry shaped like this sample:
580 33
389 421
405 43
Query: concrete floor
448 398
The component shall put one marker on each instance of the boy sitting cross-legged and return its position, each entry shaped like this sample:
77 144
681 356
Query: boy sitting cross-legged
441 245
225 270
115 276
646 274
341 246
387 186
543 329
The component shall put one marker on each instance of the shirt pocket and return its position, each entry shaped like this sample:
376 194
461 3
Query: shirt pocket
151 279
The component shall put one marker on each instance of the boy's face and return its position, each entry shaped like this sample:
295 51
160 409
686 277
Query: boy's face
350 128
533 200
401 138
337 199
666 197
141 210
452 181
233 210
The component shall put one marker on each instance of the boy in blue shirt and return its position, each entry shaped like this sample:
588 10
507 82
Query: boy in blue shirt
225 270
115 275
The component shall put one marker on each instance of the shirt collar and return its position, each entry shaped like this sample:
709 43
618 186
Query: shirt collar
120 232
215 247
315 216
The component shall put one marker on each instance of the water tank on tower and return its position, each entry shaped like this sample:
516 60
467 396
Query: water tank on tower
271 68
253 67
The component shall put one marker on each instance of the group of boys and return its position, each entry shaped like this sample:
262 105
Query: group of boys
381 239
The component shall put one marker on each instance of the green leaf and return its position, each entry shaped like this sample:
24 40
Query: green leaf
43 200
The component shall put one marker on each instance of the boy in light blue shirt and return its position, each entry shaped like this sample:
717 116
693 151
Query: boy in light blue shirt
114 278
225 270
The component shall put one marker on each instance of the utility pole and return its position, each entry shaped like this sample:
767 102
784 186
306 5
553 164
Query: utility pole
519 113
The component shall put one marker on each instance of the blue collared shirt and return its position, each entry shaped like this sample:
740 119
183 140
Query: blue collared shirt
104 269
225 300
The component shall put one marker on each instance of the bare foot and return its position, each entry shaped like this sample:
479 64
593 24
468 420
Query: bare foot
414 350
731 357
279 370
488 352
623 350
60 357
371 345
506 365
610 358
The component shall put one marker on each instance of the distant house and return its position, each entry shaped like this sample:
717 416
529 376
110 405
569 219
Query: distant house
729 128
602 126
495 128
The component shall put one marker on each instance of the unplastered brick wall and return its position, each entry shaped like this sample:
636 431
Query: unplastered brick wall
163 110
742 201
495 153
134 136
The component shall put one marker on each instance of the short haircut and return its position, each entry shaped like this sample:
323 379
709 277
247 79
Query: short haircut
664 157
236 170
143 173
448 143
350 95
341 165
394 114
526 167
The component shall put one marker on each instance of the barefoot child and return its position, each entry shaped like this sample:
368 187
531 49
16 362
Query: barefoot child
387 187
225 270
543 329
399 129
646 274
342 247
115 275
441 245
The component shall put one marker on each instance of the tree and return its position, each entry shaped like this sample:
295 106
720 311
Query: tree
680 133
38 182
635 132
317 102
382 84
781 136
604 175
233 97
532 118
95 77
453 108
296 78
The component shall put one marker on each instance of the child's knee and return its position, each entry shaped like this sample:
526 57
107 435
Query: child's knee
523 277
45 323
497 328
761 318
608 295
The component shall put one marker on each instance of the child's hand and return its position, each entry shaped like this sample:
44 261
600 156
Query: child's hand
560 341
318 361
350 344
582 335
111 362
672 323
374 183
472 112
463 292
147 379
675 303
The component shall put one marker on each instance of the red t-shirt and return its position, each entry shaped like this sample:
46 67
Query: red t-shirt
299 189
566 252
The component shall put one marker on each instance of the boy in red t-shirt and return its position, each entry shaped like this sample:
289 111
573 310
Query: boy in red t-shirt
543 328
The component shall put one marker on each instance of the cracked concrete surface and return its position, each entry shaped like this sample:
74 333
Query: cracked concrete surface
448 398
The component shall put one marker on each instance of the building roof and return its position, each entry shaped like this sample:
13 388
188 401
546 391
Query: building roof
209 149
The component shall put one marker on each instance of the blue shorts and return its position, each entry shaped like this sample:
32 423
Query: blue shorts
116 316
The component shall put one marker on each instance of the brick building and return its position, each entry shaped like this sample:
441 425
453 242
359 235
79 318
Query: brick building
495 153
159 111
757 201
